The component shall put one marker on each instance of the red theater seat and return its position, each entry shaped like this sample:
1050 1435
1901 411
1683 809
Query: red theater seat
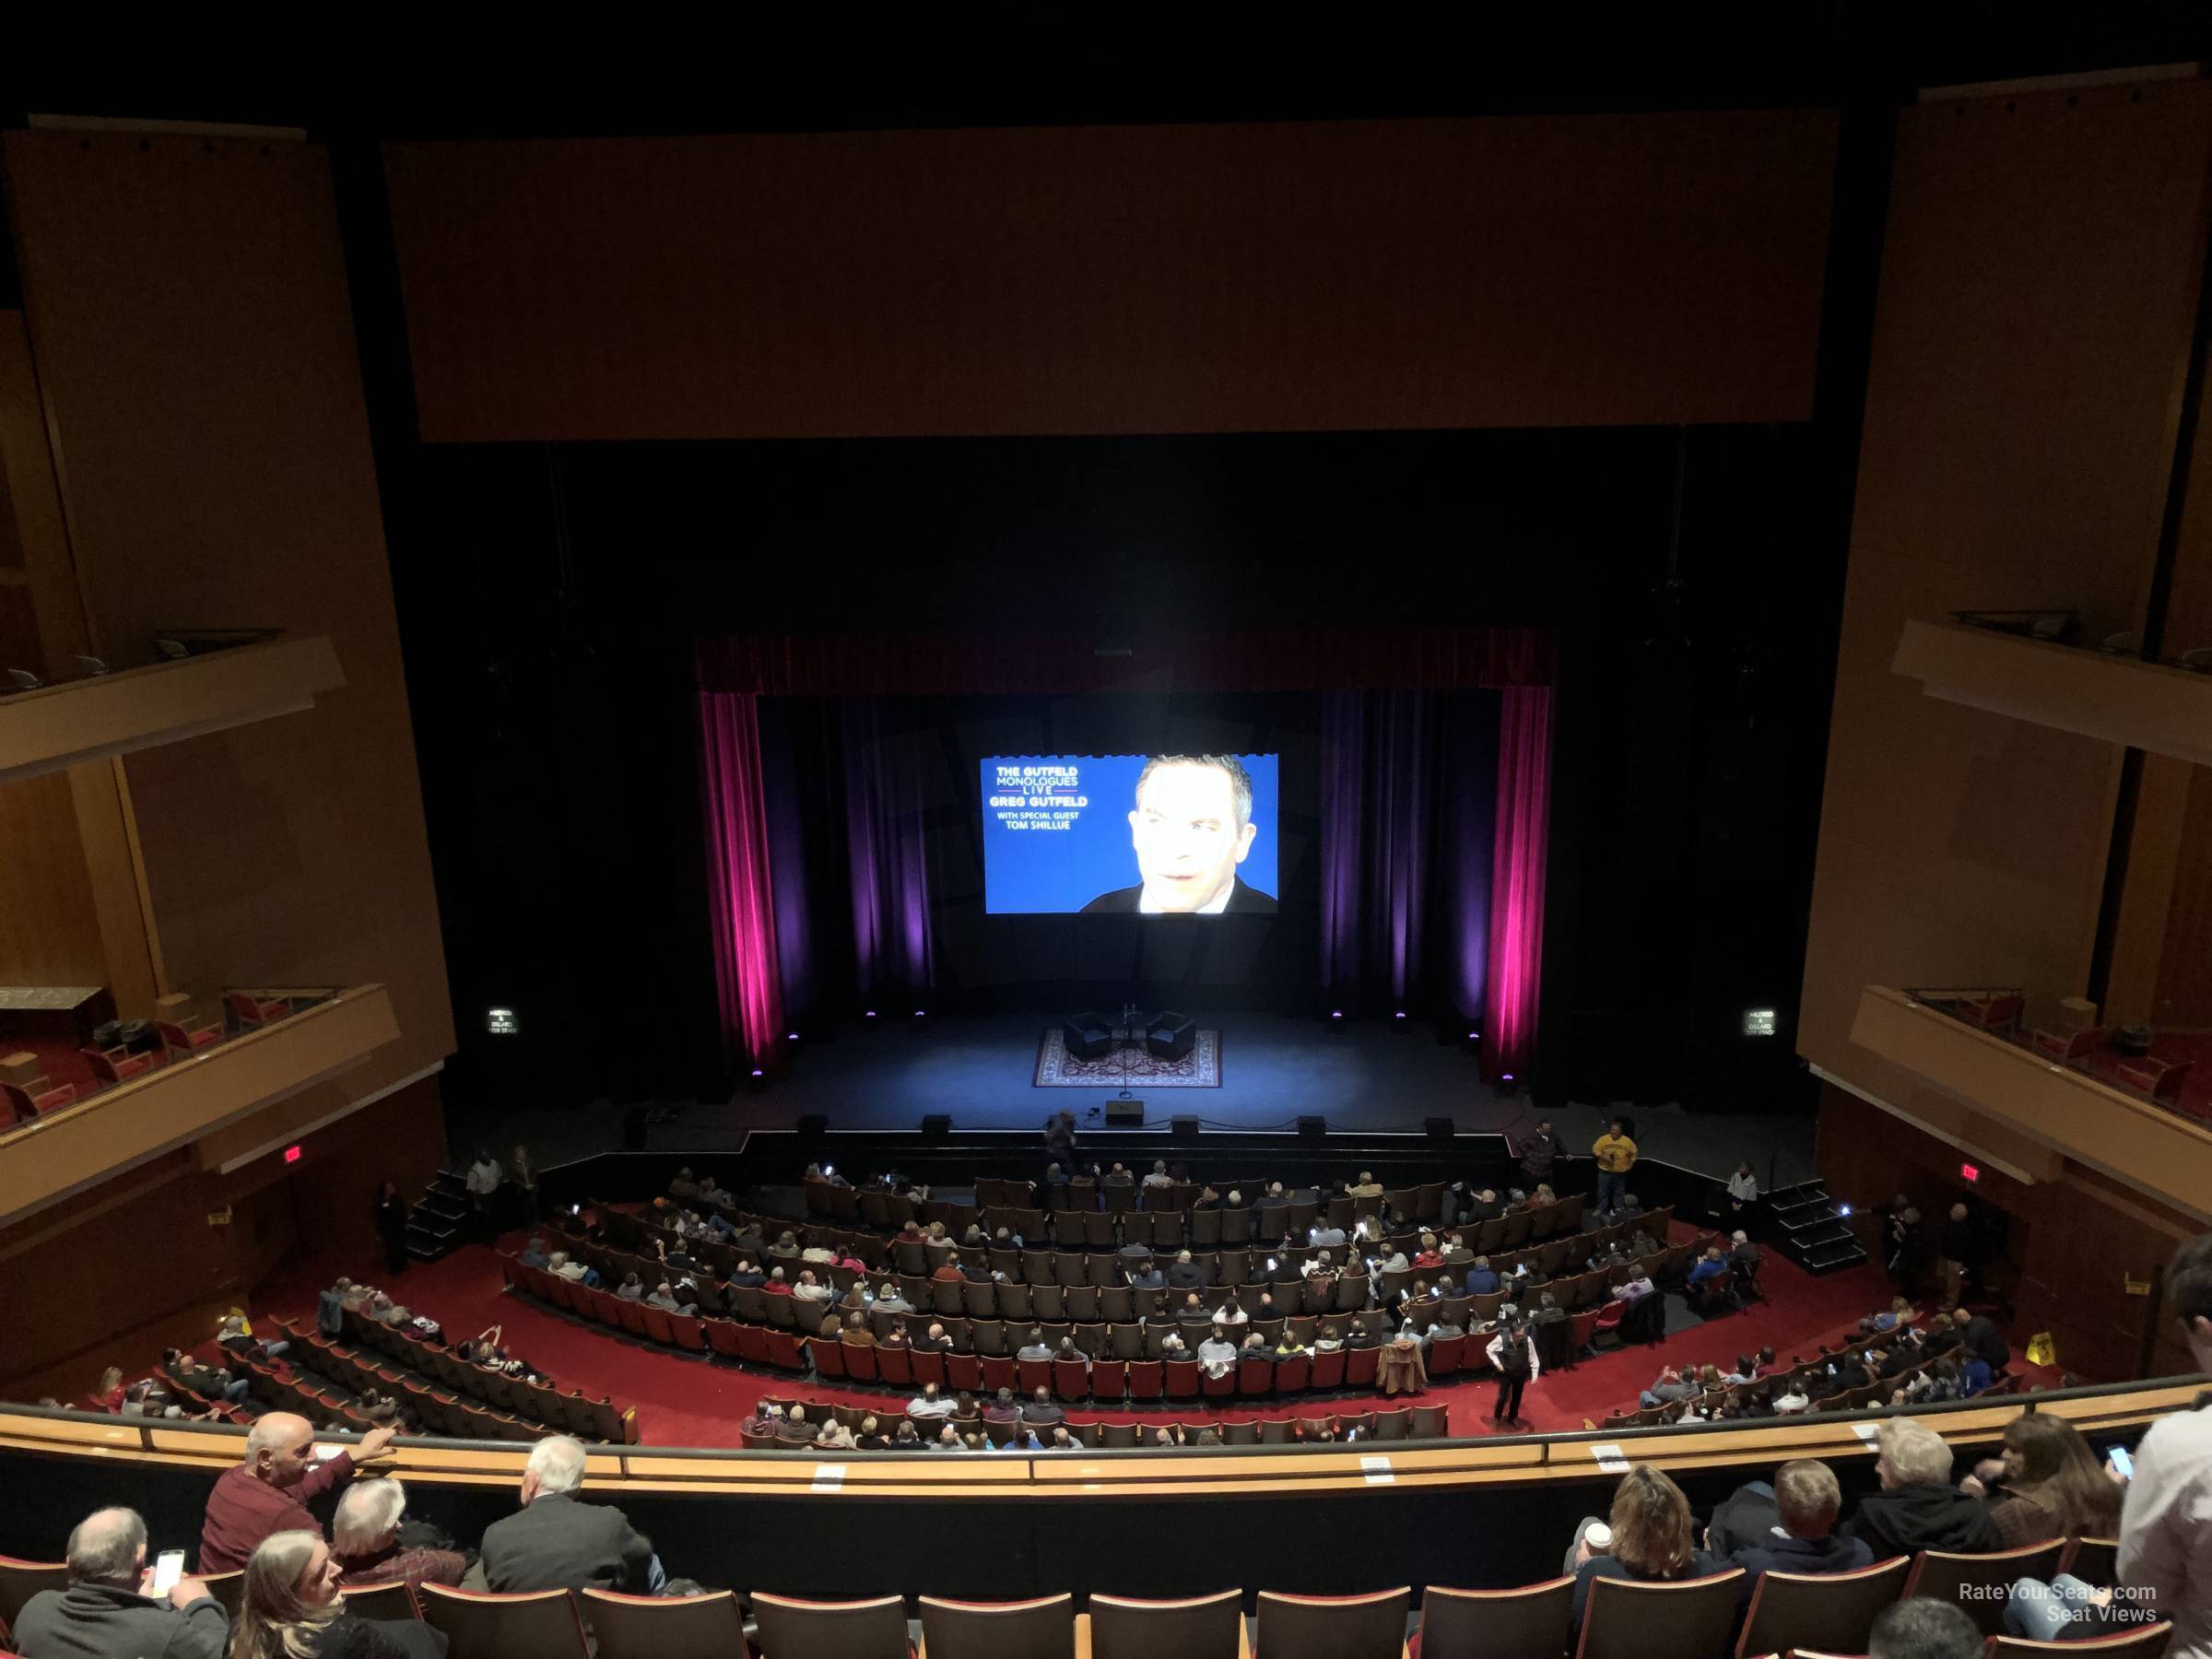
112 1066
24 1104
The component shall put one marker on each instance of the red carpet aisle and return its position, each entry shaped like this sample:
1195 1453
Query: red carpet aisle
684 1401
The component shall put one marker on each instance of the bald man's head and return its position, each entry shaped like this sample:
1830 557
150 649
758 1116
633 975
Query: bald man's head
108 1547
280 1448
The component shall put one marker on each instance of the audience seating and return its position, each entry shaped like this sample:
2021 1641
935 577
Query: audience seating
253 1009
395 1600
24 1104
482 1625
20 1581
811 1629
673 1626
1203 1627
2094 1560
1690 1620
114 1064
1333 1627
1982 1584
2149 1643
1833 1612
1043 1629
229 1588
1531 1622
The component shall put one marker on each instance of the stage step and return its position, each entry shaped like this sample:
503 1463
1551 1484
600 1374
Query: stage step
435 1220
1812 1230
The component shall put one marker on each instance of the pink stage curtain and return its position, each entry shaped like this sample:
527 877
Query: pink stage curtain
748 976
1516 955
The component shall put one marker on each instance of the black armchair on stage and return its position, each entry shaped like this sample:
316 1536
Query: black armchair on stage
1171 1036
1088 1036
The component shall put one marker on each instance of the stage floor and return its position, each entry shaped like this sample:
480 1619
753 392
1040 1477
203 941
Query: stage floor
1367 1076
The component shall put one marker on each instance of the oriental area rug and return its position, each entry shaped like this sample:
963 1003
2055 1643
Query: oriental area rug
1128 1066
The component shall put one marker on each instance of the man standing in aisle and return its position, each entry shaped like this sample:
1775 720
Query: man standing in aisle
1513 1356
1615 1155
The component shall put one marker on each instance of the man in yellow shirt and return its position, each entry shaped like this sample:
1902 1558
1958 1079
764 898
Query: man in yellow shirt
1615 1155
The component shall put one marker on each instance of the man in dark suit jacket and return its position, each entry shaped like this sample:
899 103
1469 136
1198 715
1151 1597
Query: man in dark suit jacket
1191 827
555 1542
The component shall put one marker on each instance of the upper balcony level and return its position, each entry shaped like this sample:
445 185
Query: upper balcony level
2133 1116
183 1095
56 726
2110 694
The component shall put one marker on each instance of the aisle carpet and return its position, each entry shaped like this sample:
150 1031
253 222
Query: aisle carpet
682 1400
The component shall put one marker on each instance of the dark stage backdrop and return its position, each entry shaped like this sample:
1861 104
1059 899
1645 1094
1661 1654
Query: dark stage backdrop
871 815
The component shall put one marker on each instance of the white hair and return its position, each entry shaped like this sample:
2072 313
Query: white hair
105 1547
1741 1237
369 1510
558 1461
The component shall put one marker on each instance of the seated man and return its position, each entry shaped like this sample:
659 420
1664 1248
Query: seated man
793 1430
1670 1386
1216 1355
1443 1330
1920 1626
1918 1508
365 1542
1481 1279
104 1609
1183 1274
1039 1409
554 1542
1003 1409
928 1403
1707 1280
270 1492
1786 1527
1036 1347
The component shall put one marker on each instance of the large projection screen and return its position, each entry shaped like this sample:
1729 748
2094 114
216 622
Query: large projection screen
1148 835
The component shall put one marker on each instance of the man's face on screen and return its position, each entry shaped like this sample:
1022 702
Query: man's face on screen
1189 842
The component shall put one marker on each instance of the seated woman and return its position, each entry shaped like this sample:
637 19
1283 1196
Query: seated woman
1652 1538
291 1608
2047 1484
1899 1311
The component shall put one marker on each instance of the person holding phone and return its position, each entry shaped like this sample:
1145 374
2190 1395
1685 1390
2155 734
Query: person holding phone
115 1606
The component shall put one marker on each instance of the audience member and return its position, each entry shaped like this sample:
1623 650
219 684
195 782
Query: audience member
270 1492
928 1403
2047 1484
1923 1628
1786 1527
291 1607
2166 1522
554 1542
1650 1537
1918 1508
1615 1155
104 1613
365 1541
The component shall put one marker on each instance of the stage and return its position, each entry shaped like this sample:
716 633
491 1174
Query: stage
1364 1077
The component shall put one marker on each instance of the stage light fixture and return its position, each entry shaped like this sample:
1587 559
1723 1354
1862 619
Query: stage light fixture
1335 1013
919 1015
791 1036
869 1015
1399 1015
1505 1076
759 1073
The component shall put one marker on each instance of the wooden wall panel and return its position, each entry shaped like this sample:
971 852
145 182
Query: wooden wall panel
2073 1245
213 455
1594 269
2184 994
2039 288
50 931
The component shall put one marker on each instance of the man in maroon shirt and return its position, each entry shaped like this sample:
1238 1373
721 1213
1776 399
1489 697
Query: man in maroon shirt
270 1492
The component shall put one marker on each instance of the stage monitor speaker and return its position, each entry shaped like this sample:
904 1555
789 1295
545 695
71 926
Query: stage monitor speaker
1171 1036
1313 1128
936 1126
1128 1114
813 1126
1186 1129
1440 1128
1088 1036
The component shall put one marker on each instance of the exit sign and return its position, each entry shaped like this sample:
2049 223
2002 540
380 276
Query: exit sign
293 1152
1969 1171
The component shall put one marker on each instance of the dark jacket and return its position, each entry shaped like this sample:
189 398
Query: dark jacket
1772 1554
1242 902
94 1621
1907 1519
558 1544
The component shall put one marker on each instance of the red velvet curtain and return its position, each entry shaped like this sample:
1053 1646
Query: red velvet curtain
1516 964
747 978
